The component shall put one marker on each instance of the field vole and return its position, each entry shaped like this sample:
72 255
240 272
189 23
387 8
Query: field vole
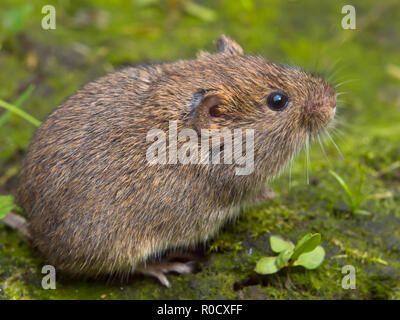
95 205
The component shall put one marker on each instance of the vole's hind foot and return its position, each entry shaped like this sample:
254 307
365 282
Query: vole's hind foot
160 269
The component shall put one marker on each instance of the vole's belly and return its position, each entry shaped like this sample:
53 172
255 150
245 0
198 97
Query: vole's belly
159 242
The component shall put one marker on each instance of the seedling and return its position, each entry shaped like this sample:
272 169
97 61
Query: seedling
307 253
354 197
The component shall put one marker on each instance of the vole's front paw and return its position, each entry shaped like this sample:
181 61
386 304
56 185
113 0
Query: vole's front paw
160 269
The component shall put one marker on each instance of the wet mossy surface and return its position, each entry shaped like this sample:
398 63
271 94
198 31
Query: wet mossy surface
96 37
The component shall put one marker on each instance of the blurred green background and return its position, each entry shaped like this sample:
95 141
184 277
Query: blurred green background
93 38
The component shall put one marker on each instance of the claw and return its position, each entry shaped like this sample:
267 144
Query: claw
158 275
160 270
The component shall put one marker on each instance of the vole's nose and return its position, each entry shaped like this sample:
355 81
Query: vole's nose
330 101
326 102
330 98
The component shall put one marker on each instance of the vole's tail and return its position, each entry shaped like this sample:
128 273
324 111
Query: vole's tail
18 223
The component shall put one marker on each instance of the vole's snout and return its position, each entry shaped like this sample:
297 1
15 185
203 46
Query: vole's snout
330 98
324 100
320 107
330 101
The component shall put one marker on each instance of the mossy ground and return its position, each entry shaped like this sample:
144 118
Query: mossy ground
96 37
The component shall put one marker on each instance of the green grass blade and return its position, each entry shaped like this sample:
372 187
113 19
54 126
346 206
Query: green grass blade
344 186
14 109
4 118
25 95
22 98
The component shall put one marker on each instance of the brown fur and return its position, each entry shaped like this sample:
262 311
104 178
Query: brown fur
96 206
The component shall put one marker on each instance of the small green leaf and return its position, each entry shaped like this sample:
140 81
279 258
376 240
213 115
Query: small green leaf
279 245
311 260
6 205
308 243
303 240
283 258
266 265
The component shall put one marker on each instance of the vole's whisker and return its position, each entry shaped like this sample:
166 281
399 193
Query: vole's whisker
344 82
332 69
308 168
341 93
337 121
336 146
343 104
335 73
339 132
322 148
333 66
337 124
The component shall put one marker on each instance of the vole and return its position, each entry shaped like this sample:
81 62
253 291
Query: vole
94 203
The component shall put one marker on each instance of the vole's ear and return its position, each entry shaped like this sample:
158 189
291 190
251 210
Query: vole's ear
207 112
227 45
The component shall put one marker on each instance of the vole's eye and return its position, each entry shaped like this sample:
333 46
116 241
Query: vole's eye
277 101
